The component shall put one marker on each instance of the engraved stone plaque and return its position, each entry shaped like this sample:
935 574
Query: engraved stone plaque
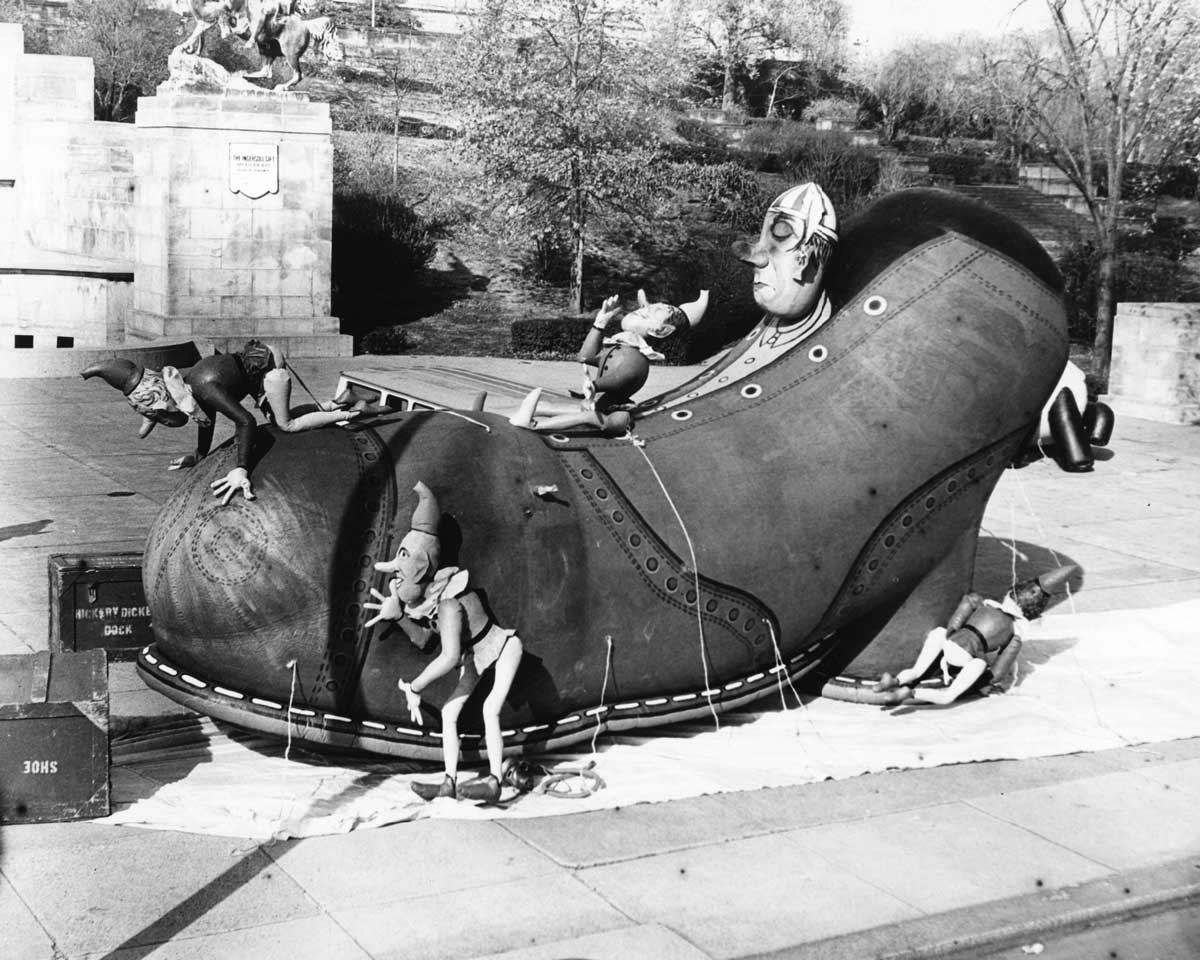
254 169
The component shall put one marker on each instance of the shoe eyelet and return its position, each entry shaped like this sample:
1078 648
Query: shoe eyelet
817 353
681 415
874 306
559 438
751 391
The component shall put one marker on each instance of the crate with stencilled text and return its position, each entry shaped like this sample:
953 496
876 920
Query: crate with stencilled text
97 602
54 758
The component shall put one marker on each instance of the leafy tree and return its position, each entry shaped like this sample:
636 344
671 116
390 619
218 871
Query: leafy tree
36 33
128 41
739 34
555 101
1113 82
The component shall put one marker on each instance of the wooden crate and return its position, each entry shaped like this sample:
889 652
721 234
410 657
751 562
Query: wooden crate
53 737
97 603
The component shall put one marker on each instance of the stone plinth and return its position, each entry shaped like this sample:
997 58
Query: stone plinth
234 220
1155 372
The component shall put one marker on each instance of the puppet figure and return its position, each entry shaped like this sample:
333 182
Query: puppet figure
621 364
145 390
430 601
978 647
218 384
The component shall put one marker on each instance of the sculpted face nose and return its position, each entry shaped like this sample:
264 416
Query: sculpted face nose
751 253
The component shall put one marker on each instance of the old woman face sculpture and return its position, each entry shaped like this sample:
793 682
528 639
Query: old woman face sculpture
798 234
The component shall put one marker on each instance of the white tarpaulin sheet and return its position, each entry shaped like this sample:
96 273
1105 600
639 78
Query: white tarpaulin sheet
1086 682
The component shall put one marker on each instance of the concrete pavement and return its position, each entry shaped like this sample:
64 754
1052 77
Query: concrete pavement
959 860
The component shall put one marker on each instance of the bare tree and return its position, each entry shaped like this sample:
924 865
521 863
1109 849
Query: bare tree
738 33
1114 81
128 40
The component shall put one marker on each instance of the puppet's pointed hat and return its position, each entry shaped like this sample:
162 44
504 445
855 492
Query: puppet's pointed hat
122 374
426 513
695 310
1053 580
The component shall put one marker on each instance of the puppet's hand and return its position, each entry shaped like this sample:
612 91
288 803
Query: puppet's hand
235 480
182 463
390 608
608 309
413 702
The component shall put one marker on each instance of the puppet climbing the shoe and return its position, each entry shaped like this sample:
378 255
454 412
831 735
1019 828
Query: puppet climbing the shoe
217 384
978 647
621 365
429 601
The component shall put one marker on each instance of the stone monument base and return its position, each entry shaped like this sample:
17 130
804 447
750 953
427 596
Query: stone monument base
1155 375
234 216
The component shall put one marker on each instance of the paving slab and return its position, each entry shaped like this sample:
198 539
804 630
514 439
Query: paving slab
421 859
860 798
961 856
480 919
318 938
746 896
1122 820
1183 775
626 833
131 888
23 938
647 941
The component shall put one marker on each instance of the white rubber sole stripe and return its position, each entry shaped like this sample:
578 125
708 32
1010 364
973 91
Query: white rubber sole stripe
574 718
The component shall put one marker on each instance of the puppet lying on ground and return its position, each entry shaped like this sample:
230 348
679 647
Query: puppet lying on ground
430 601
218 384
621 363
978 647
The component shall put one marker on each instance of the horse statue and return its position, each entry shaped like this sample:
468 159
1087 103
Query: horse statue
225 14
289 37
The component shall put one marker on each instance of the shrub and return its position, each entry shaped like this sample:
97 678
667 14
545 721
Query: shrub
384 341
831 108
1150 269
379 245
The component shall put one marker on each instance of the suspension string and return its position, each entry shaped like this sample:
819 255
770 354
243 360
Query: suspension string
463 416
291 700
783 673
1083 674
640 446
603 689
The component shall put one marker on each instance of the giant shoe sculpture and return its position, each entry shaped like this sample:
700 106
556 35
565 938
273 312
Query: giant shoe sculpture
806 509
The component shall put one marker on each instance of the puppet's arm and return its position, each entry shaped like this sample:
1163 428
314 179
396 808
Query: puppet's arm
595 337
450 628
215 397
1004 665
966 606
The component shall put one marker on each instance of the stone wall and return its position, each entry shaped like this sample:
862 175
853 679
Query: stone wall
1155 372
